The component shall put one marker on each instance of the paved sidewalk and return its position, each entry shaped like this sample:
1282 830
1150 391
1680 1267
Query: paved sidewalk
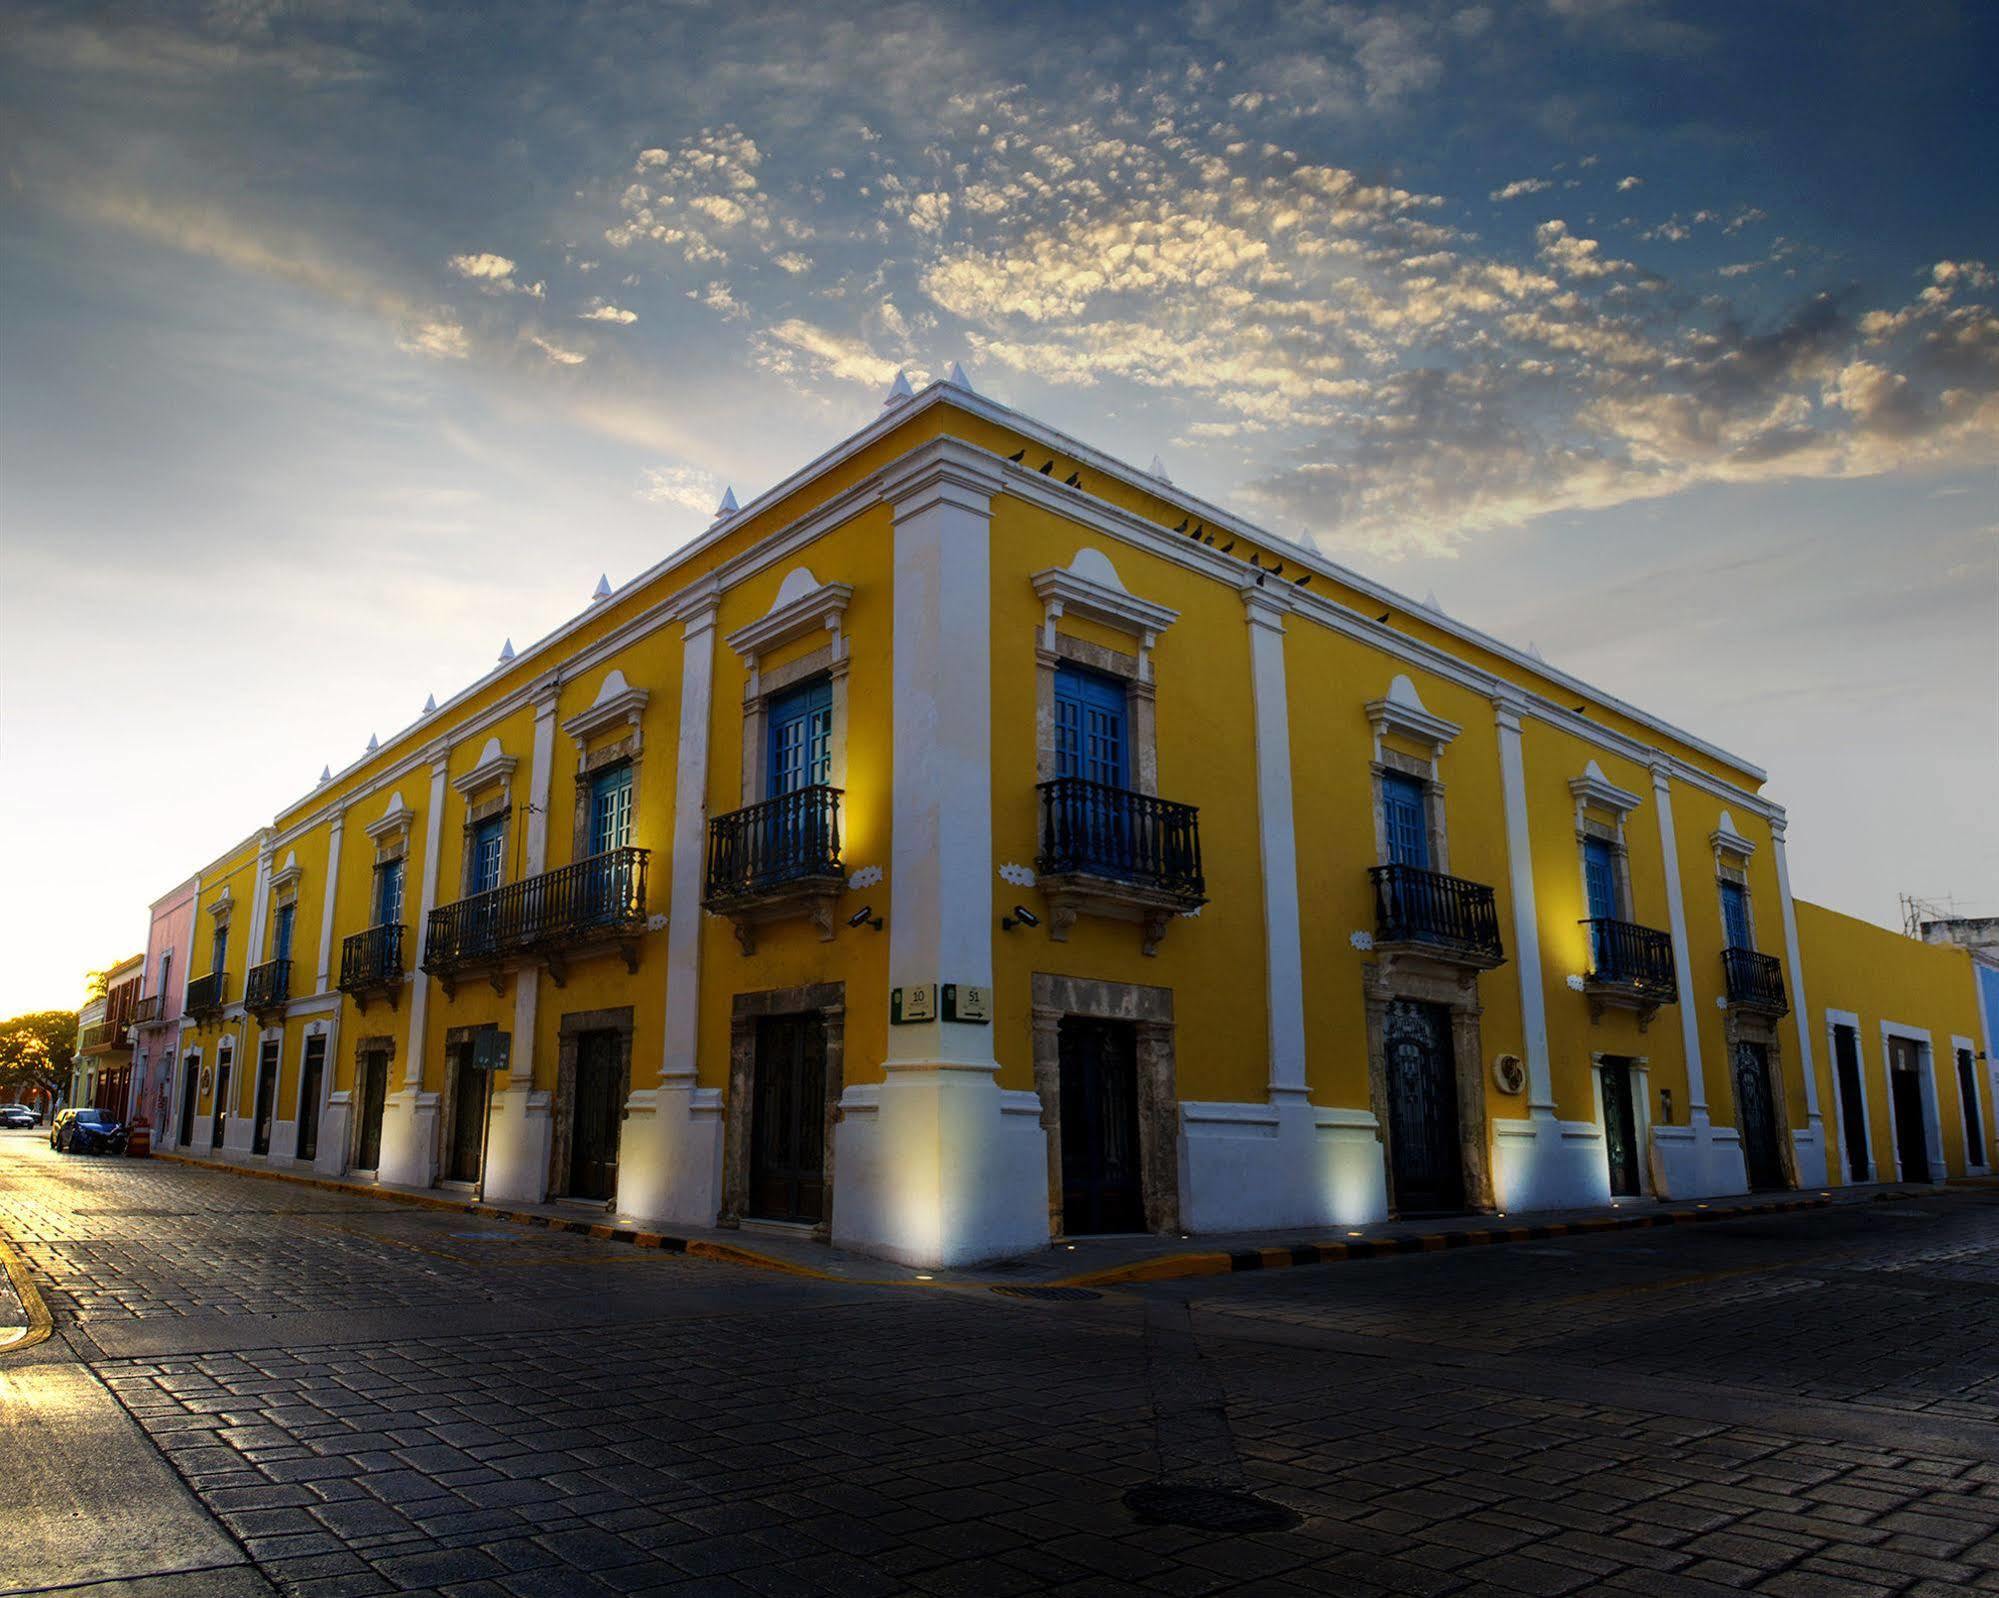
1101 1261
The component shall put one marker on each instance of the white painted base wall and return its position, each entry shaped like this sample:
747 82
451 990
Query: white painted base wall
409 1139
1699 1160
1253 1167
1545 1163
1810 1146
333 1128
517 1147
938 1166
670 1156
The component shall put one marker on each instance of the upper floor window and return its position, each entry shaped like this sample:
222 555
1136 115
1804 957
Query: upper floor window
611 808
1406 821
166 970
221 957
389 892
281 932
1735 914
488 844
1091 740
1600 879
801 738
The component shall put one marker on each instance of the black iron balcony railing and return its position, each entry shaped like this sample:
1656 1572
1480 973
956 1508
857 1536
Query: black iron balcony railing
603 894
1445 913
1636 958
102 1035
372 959
148 1009
1755 980
1092 829
206 995
792 838
267 986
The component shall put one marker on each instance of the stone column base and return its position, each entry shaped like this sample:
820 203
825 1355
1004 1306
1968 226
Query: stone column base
517 1147
1809 1144
1699 1160
938 1166
333 1126
670 1156
1253 1167
409 1139
1544 1163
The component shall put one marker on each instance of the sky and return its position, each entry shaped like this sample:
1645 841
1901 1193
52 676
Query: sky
341 340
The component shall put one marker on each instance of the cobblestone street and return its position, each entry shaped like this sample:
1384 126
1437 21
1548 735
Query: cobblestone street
359 1397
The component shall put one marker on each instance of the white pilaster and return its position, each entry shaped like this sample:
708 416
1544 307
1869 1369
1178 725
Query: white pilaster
1284 955
253 951
936 1165
323 977
1695 1160
670 1157
409 1148
1810 1139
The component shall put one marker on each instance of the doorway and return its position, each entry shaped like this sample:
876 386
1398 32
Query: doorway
312 1082
1905 1092
1426 1160
374 1092
267 1094
597 1108
1620 1129
468 1116
788 1120
1852 1103
221 1107
1756 1117
1103 1187
190 1079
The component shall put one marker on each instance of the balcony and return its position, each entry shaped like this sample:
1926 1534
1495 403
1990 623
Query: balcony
102 1037
1112 852
776 861
1443 918
147 1011
206 995
1631 968
267 987
1755 982
371 965
573 909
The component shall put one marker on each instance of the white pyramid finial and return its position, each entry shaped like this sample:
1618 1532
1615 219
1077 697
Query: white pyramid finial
374 743
1534 650
325 775
430 704
728 507
506 651
1430 602
957 379
1158 469
898 391
603 589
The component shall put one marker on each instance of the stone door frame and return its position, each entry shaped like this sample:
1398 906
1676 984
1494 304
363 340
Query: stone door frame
829 1001
456 1038
1150 1010
563 1110
1742 1026
1417 980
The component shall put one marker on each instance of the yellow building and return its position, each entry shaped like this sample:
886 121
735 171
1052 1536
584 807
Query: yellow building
974 839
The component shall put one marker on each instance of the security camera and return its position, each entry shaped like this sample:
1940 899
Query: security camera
1021 917
865 917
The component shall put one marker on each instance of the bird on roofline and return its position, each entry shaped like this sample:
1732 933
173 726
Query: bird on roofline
1048 466
1302 581
1073 480
1185 521
1018 455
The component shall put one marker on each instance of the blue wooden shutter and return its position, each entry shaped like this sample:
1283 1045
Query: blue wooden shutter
1600 878
801 738
1735 914
221 949
486 841
1090 736
611 809
281 933
1408 821
389 893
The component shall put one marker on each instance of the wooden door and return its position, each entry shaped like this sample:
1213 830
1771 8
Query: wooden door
1852 1104
468 1116
374 1094
1103 1189
1912 1140
1620 1129
1756 1117
311 1085
267 1095
190 1072
1425 1150
221 1105
788 1120
596 1117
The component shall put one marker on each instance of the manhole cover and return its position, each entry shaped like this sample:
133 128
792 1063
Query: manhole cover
1203 1508
1070 1294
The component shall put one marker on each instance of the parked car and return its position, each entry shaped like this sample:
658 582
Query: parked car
17 1115
87 1131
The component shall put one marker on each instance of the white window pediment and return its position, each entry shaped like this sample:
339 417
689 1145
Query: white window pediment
395 819
803 605
617 704
1090 587
1727 840
1401 710
494 767
286 878
222 904
1594 788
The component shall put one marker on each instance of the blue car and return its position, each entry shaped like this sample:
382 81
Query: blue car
87 1131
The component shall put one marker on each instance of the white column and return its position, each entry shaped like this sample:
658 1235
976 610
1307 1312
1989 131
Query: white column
433 843
409 1152
1526 922
540 777
260 894
1284 954
1683 963
670 1156
1811 1150
937 1166
323 977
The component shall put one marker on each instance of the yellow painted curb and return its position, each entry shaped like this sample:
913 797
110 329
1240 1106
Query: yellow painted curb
40 1323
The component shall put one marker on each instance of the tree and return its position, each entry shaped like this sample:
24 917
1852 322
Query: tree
36 1050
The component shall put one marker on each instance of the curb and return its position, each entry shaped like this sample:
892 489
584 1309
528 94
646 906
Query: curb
40 1323
694 1247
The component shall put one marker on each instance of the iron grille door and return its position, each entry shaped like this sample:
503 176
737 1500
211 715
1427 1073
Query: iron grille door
1620 1128
1757 1117
1422 1109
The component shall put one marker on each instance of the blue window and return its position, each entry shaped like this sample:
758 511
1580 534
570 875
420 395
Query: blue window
1408 821
221 949
1600 878
1735 915
1090 737
487 839
801 738
281 932
611 809
389 893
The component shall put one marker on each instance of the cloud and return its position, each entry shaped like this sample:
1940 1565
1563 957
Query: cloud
686 486
795 343
1575 256
441 339
1626 184
1520 186
555 352
601 312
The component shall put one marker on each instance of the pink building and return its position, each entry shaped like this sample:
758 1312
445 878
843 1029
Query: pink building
156 1022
